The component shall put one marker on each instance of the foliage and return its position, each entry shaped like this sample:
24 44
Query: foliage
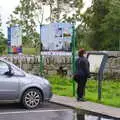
93 18
29 51
101 22
82 37
111 26
25 15
75 9
63 87
2 40
64 10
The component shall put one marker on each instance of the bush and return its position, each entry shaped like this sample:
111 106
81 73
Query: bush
2 48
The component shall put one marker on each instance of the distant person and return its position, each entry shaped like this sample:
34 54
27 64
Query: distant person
81 74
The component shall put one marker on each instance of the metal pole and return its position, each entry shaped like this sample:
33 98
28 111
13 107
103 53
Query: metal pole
119 42
41 59
73 57
100 76
41 64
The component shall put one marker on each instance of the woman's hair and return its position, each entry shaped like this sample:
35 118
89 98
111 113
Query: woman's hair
81 52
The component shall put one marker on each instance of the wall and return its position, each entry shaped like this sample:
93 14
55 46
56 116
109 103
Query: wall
52 63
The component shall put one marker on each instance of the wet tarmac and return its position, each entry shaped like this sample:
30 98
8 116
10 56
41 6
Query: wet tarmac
47 111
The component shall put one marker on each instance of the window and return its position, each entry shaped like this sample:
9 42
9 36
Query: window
3 67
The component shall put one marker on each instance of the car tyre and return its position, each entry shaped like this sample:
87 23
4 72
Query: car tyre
32 98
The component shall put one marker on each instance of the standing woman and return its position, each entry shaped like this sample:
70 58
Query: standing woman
81 74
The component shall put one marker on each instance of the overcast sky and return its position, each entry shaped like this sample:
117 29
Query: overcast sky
7 6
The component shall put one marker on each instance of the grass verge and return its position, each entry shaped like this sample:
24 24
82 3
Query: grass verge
110 90
29 51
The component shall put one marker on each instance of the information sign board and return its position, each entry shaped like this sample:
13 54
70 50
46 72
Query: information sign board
14 40
56 37
95 62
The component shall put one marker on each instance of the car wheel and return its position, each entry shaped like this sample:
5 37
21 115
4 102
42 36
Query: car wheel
32 98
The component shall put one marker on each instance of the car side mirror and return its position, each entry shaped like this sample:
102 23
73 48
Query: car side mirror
9 72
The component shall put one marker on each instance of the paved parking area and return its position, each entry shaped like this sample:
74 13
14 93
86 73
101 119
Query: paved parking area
18 107
47 111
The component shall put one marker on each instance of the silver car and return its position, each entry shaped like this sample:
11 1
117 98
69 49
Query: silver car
18 86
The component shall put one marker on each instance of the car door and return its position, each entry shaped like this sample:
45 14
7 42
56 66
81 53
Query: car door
9 84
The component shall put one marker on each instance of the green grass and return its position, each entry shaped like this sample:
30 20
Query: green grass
110 90
61 86
29 51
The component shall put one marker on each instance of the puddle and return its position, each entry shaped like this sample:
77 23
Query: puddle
82 115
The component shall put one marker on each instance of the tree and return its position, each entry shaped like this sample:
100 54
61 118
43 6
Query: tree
2 39
25 15
93 18
101 23
64 10
111 27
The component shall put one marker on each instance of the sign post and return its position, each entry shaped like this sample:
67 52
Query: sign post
73 58
41 58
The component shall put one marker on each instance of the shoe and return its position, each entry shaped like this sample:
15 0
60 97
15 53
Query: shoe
80 99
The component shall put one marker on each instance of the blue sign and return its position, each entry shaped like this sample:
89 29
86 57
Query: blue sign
14 40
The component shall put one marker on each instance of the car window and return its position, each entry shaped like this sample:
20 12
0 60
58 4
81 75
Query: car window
3 67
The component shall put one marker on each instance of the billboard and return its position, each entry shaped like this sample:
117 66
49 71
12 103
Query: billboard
14 40
56 37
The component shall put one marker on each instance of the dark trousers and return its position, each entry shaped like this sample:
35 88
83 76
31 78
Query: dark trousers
81 86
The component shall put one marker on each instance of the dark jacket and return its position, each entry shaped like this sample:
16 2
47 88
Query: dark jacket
82 67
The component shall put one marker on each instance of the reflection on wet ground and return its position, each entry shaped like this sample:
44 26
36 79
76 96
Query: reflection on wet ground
91 116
